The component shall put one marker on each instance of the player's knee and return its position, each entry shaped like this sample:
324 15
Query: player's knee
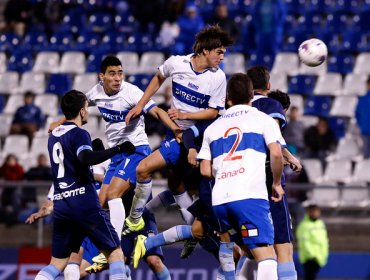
197 230
155 263
142 172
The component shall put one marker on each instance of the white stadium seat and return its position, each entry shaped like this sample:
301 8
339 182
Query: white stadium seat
46 62
130 62
362 65
16 144
354 84
150 61
84 82
287 63
48 104
279 81
344 106
318 70
3 62
73 62
13 103
6 121
32 81
9 82
234 63
328 84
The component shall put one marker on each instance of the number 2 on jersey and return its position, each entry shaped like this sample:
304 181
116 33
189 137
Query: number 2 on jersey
58 158
239 136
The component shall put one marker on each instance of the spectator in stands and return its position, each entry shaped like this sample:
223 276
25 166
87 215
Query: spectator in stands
363 119
190 23
41 171
18 14
268 20
319 140
313 242
28 118
11 170
293 132
222 19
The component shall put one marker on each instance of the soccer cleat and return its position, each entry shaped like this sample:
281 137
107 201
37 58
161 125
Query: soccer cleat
100 259
189 247
96 267
139 250
129 226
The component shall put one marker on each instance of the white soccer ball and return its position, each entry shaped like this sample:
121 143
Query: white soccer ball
313 52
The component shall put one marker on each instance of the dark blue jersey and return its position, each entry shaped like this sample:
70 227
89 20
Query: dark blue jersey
271 107
73 181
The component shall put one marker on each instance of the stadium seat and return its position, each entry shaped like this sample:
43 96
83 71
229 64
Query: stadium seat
293 39
310 22
32 81
92 126
318 70
46 62
94 60
317 106
341 63
20 61
100 22
344 106
72 62
362 65
3 62
297 100
16 144
59 84
60 41
338 125
361 174
9 82
354 84
130 62
113 42
9 41
354 197
140 42
309 120
150 61
337 22
14 101
314 170
35 41
326 197
140 80
84 82
39 146
353 41
87 42
279 81
347 149
337 171
234 63
328 84
48 104
302 84
6 121
74 20
286 63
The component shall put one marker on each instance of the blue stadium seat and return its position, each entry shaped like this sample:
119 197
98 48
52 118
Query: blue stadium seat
60 41
338 21
87 42
295 7
59 84
113 42
293 40
140 80
321 6
20 61
126 24
9 41
100 22
353 42
341 63
93 61
75 20
348 6
302 84
140 42
310 22
35 41
361 20
266 60
338 125
318 106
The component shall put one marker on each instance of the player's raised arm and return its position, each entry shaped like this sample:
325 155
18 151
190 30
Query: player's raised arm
152 88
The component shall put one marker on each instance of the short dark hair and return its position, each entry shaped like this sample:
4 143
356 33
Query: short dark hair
239 89
72 102
260 77
210 38
280 96
109 60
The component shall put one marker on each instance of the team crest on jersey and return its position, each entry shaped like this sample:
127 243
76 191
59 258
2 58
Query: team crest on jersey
190 85
248 230
108 105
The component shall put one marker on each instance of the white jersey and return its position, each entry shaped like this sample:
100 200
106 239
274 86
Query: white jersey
194 91
114 109
236 143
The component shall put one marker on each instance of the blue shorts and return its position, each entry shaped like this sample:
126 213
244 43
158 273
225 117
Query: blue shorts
251 218
124 166
150 229
90 250
282 222
170 151
70 230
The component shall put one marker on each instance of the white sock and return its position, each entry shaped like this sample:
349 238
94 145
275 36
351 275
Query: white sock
72 272
244 270
267 269
183 200
117 215
162 200
142 194
187 216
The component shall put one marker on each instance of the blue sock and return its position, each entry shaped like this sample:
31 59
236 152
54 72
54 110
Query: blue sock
169 236
286 271
163 275
240 265
49 272
227 259
117 270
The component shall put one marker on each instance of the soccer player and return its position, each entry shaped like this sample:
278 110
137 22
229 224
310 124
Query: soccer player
77 212
280 213
234 153
199 89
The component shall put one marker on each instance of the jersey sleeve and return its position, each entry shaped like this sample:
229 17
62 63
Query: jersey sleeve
167 67
82 141
272 132
218 97
276 111
205 150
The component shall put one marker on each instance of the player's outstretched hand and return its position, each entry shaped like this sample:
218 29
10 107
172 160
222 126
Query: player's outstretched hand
175 114
134 112
277 192
126 147
32 218
192 157
295 164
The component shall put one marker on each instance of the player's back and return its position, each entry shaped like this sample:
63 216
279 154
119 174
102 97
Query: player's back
73 181
271 107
